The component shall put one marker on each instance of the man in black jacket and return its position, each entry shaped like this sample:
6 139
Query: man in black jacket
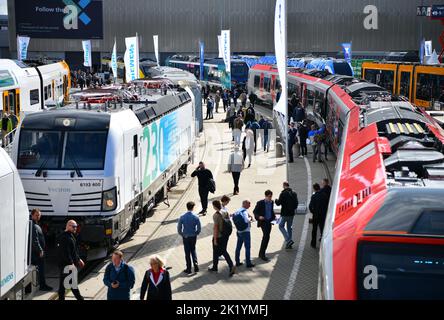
288 200
38 249
203 176
326 188
264 214
69 261
318 207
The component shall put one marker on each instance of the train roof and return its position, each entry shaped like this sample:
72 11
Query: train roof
379 111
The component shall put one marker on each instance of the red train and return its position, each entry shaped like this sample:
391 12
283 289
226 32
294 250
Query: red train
384 233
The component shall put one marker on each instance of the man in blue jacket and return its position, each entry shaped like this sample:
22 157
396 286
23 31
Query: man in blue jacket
119 278
189 228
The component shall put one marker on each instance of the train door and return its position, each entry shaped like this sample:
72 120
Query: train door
261 87
136 167
273 88
405 81
11 102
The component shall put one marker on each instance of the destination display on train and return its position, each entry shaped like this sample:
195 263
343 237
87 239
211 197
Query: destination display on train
59 19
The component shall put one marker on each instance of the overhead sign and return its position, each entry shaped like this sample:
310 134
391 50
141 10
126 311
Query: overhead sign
280 47
424 11
226 54
59 19
347 47
438 11
114 59
202 59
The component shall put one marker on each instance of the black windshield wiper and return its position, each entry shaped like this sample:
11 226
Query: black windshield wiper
74 163
42 166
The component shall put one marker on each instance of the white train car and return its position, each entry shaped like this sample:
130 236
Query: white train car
15 269
104 167
27 89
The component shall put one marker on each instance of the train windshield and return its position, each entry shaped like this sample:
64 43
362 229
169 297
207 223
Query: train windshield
62 150
400 271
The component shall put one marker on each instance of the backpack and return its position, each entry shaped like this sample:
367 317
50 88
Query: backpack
239 221
212 185
227 229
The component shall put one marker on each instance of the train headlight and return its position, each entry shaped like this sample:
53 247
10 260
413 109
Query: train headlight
109 199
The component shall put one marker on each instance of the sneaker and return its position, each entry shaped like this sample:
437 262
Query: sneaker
232 271
249 266
264 258
212 269
196 268
186 271
291 243
239 264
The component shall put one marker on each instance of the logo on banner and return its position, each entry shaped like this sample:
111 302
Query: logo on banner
74 13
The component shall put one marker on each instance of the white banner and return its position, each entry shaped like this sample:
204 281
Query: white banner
131 58
22 47
428 50
219 46
87 55
226 49
156 48
114 60
280 47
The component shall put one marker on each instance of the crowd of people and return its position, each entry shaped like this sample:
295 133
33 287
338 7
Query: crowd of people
119 277
86 79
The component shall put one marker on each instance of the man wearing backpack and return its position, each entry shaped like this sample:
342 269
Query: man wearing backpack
119 278
288 200
264 214
242 221
222 230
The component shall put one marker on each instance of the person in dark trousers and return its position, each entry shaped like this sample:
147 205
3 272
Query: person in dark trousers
210 106
38 249
156 281
318 207
326 188
255 126
189 228
292 139
225 99
119 277
220 239
288 200
264 214
68 260
266 126
235 166
203 176
303 136
299 113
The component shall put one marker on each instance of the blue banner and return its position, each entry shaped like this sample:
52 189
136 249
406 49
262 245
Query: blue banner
202 57
421 51
347 47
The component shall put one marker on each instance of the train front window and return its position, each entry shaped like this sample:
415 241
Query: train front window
39 149
401 271
343 69
84 150
383 78
61 150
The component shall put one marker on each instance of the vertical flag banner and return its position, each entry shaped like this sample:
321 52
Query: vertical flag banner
114 60
22 47
226 55
156 48
219 46
280 47
202 59
131 58
421 51
87 55
347 47
428 48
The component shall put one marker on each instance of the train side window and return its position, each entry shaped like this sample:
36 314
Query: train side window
34 96
135 146
405 84
371 75
430 87
267 82
310 98
257 81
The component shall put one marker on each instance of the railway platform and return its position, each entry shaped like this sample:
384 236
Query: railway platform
290 274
